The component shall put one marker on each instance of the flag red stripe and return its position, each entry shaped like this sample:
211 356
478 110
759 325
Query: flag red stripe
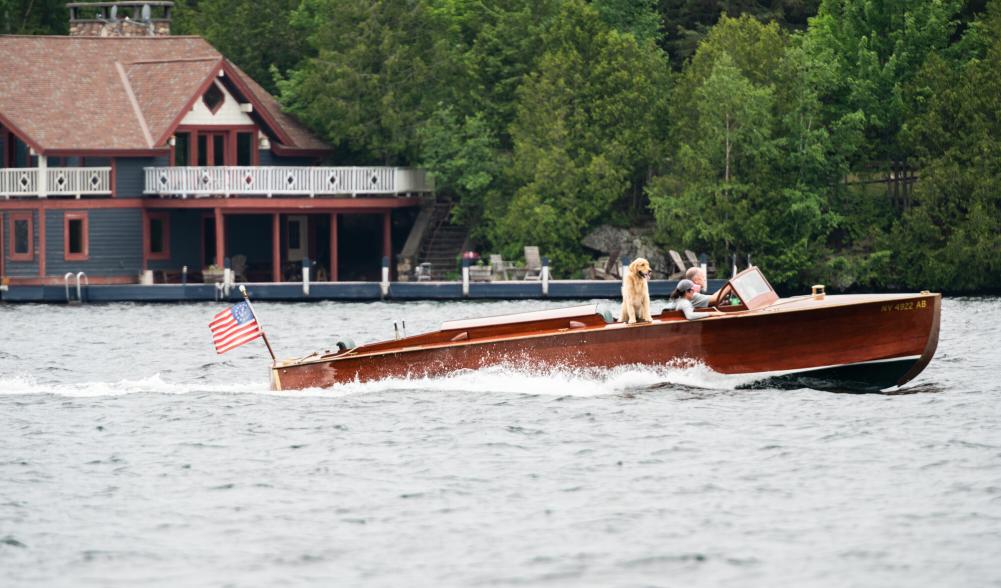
221 320
224 338
238 342
228 333
224 328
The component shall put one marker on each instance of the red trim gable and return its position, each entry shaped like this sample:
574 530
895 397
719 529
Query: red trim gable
234 78
213 74
259 108
21 135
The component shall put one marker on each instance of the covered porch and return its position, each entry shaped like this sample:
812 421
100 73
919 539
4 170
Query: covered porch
273 241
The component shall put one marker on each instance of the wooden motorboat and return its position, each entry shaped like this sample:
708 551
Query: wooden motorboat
855 341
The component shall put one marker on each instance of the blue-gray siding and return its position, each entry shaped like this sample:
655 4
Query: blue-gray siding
185 242
130 177
114 243
19 269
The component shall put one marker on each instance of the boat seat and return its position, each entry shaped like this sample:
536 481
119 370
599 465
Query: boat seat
607 315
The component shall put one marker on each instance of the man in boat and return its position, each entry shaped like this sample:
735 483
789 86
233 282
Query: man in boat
683 297
698 277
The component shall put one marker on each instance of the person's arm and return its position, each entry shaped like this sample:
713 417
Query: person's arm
690 314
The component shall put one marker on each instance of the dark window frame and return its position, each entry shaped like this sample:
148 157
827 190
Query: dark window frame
12 227
164 219
84 253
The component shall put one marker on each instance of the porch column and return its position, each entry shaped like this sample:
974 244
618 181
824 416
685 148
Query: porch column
220 238
41 241
387 236
43 176
145 233
333 247
276 247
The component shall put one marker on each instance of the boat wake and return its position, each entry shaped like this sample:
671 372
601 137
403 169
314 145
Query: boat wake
155 384
549 381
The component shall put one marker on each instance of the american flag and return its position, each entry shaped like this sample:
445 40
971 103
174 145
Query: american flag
234 327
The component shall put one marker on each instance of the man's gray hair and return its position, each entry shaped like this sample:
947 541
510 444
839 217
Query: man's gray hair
692 272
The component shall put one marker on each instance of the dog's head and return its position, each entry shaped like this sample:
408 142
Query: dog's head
640 268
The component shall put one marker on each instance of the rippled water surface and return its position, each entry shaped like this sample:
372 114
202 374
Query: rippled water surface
133 455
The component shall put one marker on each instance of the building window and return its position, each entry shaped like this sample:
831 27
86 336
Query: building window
182 149
22 239
245 149
159 235
213 98
75 236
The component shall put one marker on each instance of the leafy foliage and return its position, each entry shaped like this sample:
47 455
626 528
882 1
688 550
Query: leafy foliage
259 37
759 127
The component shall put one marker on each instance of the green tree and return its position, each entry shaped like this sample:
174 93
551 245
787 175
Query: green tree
260 37
639 17
589 121
33 17
754 159
464 156
687 22
876 47
951 238
380 69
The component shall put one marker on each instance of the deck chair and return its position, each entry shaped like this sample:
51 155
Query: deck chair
679 265
239 266
533 263
691 258
423 272
498 266
695 262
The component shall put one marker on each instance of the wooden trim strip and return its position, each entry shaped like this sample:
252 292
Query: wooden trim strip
134 103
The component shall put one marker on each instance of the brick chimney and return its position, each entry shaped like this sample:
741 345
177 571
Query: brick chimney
125 18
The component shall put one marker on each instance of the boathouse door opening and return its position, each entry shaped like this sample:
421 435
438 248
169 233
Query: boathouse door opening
249 246
360 247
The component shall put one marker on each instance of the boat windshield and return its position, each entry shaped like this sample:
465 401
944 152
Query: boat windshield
753 289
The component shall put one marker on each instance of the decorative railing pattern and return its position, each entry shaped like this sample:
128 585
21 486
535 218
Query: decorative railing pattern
270 181
59 181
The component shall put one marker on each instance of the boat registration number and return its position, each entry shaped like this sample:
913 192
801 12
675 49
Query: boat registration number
912 305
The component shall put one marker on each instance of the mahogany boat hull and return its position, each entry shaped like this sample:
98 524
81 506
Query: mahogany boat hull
864 341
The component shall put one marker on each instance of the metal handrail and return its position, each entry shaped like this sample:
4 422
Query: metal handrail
79 294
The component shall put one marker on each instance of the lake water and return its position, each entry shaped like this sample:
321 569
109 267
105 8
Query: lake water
133 455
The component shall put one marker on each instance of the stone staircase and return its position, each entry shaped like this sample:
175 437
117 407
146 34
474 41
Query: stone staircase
444 242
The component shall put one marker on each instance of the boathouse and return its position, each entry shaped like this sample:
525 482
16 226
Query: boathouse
128 154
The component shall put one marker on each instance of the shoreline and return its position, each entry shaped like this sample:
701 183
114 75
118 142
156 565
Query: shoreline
347 291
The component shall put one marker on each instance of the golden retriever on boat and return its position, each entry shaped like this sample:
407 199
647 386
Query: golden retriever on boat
635 292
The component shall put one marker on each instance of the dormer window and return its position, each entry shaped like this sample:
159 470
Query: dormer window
213 98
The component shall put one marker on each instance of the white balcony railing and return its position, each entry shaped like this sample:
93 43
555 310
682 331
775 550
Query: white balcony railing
299 181
58 181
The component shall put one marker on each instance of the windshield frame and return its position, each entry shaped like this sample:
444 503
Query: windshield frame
752 298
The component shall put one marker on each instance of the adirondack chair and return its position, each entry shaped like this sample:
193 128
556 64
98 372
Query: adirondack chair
679 265
423 272
533 263
498 266
239 266
694 261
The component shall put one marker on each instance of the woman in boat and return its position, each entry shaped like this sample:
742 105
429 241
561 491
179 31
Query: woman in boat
682 299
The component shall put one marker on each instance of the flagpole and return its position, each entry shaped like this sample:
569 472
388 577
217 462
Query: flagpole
243 290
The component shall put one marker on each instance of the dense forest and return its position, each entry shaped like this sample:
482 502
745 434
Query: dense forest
855 143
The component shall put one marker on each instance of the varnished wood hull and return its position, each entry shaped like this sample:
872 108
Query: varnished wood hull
837 335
